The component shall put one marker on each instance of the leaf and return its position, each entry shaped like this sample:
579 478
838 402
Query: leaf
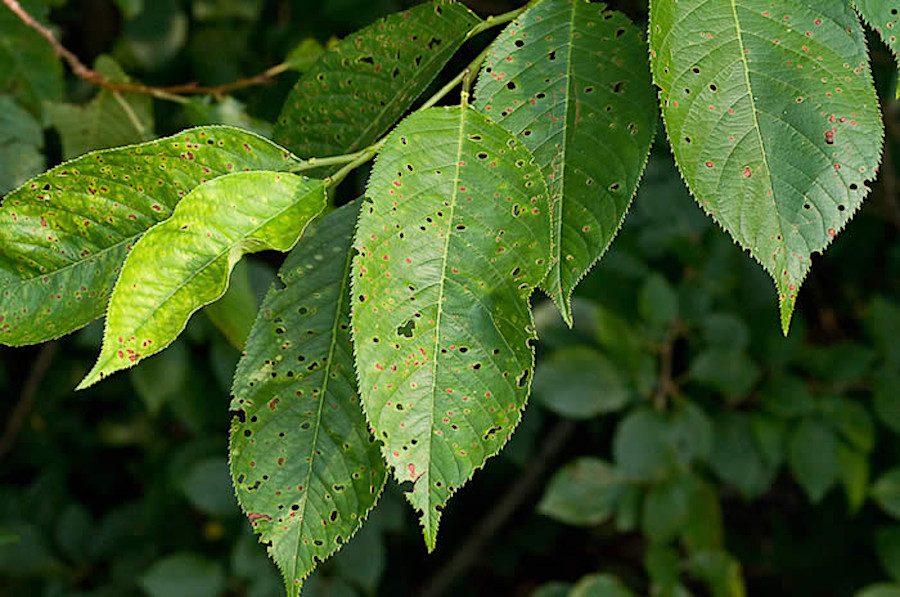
579 383
887 544
65 234
186 575
880 590
584 492
21 141
361 86
600 585
854 468
184 263
109 120
29 68
304 55
730 371
567 77
884 17
206 486
666 510
453 238
886 402
812 457
161 379
772 116
658 302
640 447
886 492
720 571
300 434
234 313
735 457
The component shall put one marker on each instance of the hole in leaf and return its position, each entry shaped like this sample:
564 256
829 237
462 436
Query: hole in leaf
406 330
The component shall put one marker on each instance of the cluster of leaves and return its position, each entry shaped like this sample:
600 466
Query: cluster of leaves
400 336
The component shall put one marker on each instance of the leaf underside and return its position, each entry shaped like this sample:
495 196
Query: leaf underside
884 17
360 87
452 239
567 77
306 469
773 119
65 233
184 263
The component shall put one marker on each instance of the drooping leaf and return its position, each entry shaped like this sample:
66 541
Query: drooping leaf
301 434
568 77
884 17
361 86
65 234
109 120
454 236
184 263
29 68
772 116
21 141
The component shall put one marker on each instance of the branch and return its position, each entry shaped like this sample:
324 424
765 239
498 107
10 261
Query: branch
469 552
26 399
172 93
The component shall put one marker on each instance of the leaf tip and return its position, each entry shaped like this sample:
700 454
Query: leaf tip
786 306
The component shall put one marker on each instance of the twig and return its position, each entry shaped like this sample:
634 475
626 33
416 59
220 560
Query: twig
171 93
26 399
469 552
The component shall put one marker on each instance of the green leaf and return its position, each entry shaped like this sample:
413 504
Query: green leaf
720 571
579 383
854 468
207 487
884 17
730 371
663 566
812 457
704 527
769 436
184 263
600 585
886 492
21 141
65 234
300 434
568 78
304 55
7 537
640 447
666 510
361 86
234 313
880 590
185 575
772 116
851 421
584 492
735 457
453 238
690 433
163 377
109 120
887 544
886 402
29 68
658 302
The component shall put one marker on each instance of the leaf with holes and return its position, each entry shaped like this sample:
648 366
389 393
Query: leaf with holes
65 233
453 238
184 263
568 78
360 87
305 468
772 116
884 17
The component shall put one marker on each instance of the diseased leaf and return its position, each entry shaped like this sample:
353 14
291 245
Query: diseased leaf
65 234
184 263
772 116
108 120
301 434
361 86
568 77
452 240
884 17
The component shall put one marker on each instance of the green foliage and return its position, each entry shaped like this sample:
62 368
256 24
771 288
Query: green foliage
401 333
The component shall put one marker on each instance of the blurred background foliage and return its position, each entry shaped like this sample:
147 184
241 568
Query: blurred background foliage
676 443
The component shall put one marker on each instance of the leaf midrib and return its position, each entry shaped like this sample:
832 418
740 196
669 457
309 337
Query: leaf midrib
344 294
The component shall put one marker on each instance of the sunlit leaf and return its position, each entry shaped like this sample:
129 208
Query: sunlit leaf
184 263
65 234
454 236
361 86
772 116
568 77
300 435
